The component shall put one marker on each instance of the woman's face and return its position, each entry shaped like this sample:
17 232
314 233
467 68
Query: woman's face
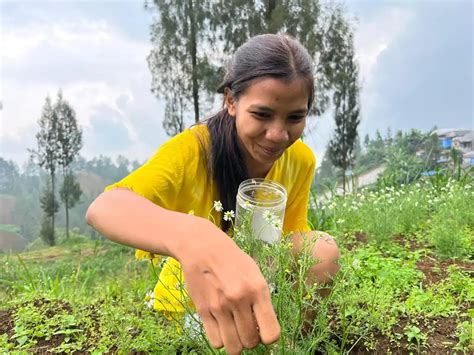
270 116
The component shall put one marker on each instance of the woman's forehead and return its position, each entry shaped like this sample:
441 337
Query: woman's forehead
274 91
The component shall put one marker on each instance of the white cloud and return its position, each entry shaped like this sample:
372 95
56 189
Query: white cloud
375 36
17 43
97 66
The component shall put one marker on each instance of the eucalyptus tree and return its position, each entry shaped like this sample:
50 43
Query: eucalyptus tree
183 72
69 145
47 156
345 78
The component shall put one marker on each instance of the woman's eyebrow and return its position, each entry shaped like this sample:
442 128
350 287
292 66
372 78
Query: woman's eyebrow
266 108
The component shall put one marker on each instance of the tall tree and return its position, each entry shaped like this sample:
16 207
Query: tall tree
50 207
180 73
47 155
345 96
237 20
69 144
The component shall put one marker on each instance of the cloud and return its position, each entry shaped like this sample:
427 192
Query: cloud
103 74
375 38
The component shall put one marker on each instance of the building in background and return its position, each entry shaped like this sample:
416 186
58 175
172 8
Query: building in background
459 139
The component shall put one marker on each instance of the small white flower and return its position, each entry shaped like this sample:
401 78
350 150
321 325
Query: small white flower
356 264
247 205
149 299
339 221
228 215
277 224
218 206
268 216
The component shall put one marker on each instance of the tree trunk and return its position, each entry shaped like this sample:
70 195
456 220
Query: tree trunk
271 4
194 61
344 181
52 241
66 204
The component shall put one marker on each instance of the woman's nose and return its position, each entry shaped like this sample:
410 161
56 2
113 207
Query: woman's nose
277 133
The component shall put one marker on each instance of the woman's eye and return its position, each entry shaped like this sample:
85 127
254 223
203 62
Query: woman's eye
296 118
261 115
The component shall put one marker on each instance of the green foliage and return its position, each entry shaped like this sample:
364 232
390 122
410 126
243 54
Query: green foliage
8 176
87 296
179 70
70 191
452 226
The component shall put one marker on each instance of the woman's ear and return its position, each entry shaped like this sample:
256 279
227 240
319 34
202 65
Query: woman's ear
229 102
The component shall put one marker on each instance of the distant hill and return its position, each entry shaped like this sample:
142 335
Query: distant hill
10 240
7 204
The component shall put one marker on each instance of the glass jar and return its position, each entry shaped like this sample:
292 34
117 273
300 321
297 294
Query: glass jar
260 209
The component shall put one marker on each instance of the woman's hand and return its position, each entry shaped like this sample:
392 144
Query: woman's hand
229 292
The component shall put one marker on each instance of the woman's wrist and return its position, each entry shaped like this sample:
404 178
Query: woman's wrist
193 234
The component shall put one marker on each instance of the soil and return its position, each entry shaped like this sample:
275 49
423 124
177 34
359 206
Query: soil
440 338
436 271
410 243
360 239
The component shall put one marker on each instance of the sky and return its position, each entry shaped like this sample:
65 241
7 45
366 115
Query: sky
415 60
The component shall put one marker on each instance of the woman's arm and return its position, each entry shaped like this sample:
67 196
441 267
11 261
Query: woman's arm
130 219
225 284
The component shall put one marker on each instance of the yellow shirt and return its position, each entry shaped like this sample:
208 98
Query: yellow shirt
176 178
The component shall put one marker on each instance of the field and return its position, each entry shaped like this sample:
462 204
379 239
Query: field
405 286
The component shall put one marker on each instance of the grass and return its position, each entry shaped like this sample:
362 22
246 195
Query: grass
405 285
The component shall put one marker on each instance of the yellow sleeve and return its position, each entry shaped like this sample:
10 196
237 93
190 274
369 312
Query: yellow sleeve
296 214
161 177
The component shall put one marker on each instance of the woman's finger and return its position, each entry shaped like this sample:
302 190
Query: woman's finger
228 332
267 321
212 330
246 326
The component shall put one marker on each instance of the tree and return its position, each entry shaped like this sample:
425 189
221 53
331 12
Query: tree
70 193
235 21
69 145
8 175
48 157
179 71
345 97
182 75
50 206
366 142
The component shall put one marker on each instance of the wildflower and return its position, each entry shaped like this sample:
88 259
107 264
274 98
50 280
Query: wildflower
339 221
356 264
277 223
308 296
191 212
218 206
268 216
228 215
149 299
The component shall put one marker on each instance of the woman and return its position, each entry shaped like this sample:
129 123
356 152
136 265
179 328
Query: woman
268 91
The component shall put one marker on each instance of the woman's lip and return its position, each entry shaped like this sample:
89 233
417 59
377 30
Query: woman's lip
271 151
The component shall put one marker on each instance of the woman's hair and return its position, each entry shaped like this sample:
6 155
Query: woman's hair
264 56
